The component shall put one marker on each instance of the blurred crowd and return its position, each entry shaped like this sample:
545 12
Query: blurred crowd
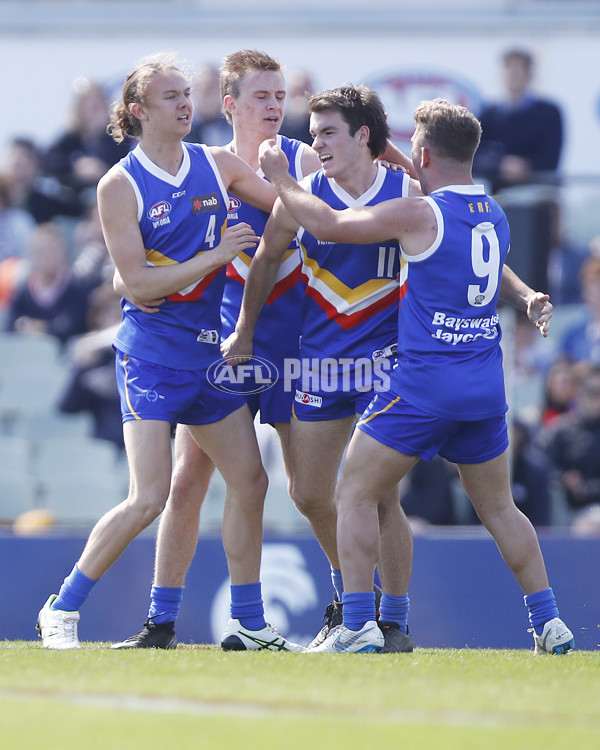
56 279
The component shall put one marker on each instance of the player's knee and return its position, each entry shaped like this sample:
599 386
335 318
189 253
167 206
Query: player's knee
252 489
308 502
188 488
148 505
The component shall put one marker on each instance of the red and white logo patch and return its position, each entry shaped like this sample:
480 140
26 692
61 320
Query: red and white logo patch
309 399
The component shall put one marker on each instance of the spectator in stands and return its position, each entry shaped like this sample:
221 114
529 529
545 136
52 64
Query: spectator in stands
581 341
560 391
48 299
16 226
426 493
573 444
565 260
522 135
530 476
92 263
297 117
209 125
44 198
91 385
84 152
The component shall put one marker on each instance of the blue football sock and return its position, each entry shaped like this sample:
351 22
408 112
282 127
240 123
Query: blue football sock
542 607
338 584
247 605
376 578
74 591
164 604
394 609
359 608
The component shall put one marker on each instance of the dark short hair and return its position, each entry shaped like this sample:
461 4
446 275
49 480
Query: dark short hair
358 105
518 54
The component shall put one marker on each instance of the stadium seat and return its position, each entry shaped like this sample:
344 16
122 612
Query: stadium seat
30 389
61 454
15 454
80 497
17 494
51 424
28 352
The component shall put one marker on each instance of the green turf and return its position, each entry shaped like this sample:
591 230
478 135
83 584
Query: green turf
201 697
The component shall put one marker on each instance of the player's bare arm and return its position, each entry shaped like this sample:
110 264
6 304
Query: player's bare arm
410 221
149 306
118 213
242 180
279 232
537 305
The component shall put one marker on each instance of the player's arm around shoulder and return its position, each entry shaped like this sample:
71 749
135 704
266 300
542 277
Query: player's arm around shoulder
279 231
242 180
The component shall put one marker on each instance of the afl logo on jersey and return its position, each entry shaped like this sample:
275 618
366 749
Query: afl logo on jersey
234 204
159 210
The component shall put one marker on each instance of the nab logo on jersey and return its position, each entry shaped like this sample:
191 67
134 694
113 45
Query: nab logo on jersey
159 210
202 203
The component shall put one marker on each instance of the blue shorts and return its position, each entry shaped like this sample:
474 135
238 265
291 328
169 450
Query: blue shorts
262 384
150 391
322 394
322 407
395 423
274 404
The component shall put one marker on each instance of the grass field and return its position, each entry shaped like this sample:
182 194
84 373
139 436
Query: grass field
200 697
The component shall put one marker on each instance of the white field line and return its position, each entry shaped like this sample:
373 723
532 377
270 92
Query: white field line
246 710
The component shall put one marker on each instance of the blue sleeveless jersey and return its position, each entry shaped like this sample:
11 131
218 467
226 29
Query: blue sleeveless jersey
277 329
449 355
180 216
352 291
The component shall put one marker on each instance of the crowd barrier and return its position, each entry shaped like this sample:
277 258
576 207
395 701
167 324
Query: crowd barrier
462 595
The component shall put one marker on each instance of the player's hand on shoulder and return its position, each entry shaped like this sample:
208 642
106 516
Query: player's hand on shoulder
235 239
392 167
237 348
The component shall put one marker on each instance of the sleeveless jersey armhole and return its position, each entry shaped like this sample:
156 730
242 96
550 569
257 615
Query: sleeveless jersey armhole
440 234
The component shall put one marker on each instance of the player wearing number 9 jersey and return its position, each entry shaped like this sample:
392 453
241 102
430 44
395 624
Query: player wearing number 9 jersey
447 394
449 312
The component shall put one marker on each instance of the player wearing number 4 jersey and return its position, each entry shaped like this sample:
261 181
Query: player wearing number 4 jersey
164 218
447 393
